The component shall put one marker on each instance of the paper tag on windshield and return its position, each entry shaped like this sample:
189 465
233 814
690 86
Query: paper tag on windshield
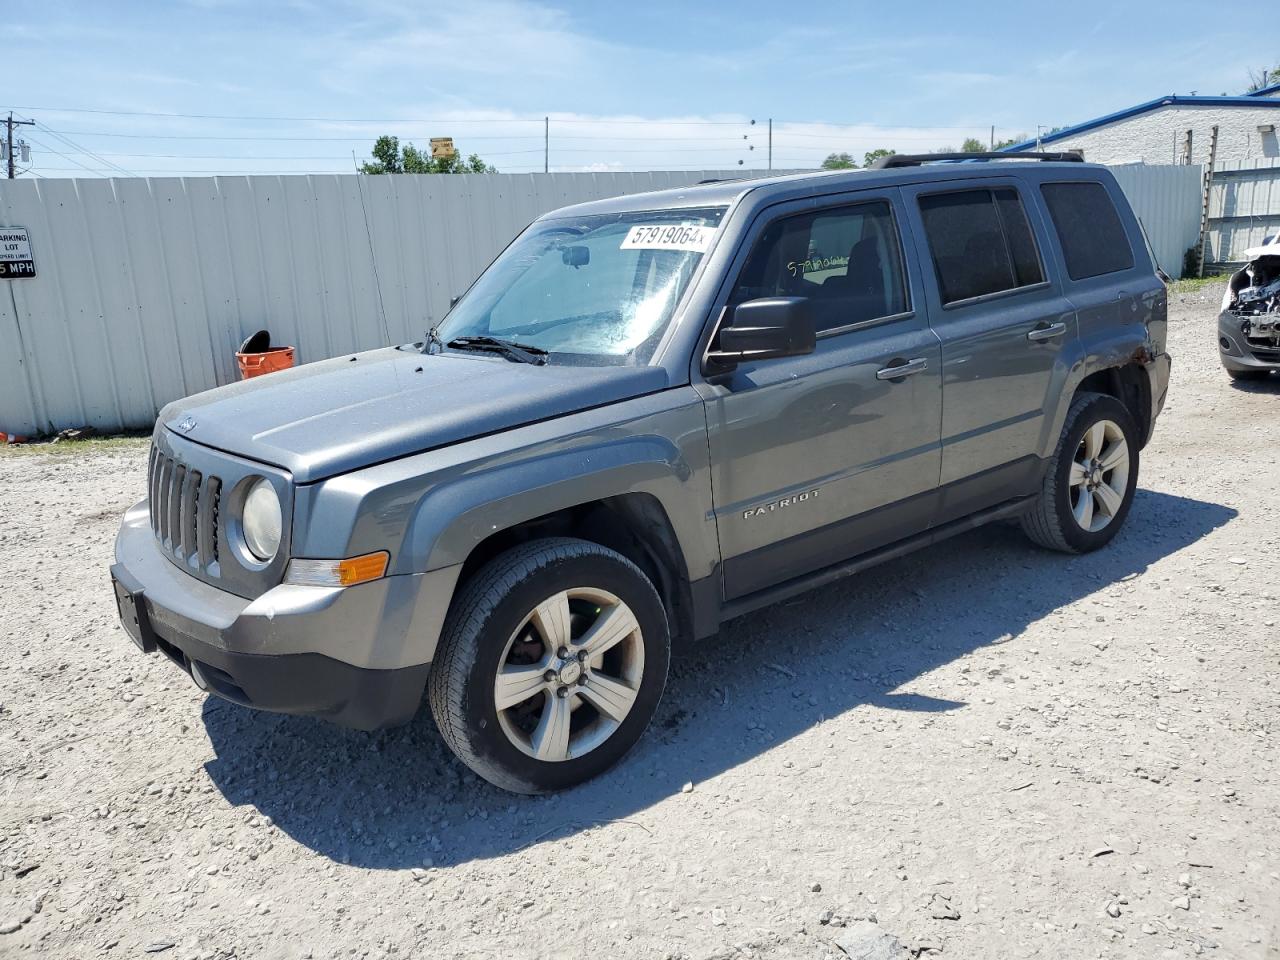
669 236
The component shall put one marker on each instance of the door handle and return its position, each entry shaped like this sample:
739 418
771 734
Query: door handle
1046 332
904 369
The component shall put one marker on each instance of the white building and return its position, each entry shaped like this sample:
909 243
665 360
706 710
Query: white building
1156 131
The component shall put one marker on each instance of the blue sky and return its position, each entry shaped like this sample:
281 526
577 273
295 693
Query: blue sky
651 85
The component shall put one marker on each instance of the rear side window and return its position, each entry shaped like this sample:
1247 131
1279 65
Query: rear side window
1089 229
846 260
981 242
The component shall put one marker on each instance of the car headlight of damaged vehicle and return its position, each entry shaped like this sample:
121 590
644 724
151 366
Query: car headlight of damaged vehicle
261 520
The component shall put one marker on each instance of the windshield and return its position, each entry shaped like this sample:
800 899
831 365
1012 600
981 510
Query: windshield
589 290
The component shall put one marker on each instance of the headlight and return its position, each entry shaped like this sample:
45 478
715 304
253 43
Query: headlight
261 520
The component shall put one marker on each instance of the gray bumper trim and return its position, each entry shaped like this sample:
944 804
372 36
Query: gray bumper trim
387 624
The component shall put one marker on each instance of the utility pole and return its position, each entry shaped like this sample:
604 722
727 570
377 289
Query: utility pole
771 143
993 137
11 147
546 144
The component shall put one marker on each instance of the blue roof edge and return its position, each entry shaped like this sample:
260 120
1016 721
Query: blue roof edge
1245 100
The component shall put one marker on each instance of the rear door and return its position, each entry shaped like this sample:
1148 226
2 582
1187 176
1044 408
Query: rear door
820 457
1104 280
1007 333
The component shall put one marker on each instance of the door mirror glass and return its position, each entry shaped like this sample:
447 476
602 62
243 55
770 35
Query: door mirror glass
764 329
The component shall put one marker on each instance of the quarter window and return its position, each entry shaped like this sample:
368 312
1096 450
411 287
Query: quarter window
847 261
981 242
1089 229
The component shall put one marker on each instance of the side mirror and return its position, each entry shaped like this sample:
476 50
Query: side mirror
765 329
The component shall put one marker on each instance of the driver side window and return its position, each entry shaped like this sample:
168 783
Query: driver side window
846 260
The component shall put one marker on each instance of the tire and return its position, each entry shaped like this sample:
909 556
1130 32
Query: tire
564 719
1061 519
1247 374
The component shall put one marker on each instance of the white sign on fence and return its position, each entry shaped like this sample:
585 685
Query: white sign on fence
15 253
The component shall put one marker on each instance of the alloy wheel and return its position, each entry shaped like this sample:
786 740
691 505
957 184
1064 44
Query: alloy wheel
569 674
1099 475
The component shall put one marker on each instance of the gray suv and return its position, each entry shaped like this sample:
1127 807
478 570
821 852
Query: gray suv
648 416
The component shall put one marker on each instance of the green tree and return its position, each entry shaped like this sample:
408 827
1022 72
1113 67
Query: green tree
972 145
390 157
839 161
874 155
1020 138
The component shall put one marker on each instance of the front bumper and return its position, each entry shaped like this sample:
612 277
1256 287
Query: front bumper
1237 353
357 656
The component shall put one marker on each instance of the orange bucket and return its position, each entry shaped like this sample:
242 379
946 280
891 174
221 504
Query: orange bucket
268 361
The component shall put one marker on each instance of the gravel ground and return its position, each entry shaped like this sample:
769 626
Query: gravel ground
986 749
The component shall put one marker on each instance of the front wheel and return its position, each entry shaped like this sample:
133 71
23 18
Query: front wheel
551 665
1092 475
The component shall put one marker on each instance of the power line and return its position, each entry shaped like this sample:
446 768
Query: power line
883 126
344 158
89 153
218 116
64 156
867 138
809 163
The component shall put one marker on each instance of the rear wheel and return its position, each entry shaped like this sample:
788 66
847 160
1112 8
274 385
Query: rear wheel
1090 482
551 665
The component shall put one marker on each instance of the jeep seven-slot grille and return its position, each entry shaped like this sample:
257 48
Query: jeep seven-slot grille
184 511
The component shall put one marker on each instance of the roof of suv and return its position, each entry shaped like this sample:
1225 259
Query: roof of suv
725 192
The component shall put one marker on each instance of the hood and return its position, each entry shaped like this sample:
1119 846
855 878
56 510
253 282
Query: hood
1271 249
326 418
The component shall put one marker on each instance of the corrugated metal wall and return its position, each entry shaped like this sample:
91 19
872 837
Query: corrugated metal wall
1167 201
1244 210
144 287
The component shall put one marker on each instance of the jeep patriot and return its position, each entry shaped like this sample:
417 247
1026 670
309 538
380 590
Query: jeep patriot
650 415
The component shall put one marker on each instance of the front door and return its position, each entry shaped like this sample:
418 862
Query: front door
1004 323
821 457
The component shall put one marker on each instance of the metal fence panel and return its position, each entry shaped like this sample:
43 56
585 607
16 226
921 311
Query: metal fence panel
1244 209
1167 201
144 287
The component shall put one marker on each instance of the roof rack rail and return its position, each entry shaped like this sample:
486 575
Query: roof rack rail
916 159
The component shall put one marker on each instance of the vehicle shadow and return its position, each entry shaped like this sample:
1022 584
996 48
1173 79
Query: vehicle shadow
398 799
1269 384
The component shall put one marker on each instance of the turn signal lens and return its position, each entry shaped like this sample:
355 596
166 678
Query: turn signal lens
337 573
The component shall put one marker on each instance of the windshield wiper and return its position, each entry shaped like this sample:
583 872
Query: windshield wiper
520 352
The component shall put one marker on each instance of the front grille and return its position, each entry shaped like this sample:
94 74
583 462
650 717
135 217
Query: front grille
1267 356
184 511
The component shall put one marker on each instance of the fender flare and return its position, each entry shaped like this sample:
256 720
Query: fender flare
453 518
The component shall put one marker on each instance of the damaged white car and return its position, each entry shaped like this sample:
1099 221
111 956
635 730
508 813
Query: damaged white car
1249 325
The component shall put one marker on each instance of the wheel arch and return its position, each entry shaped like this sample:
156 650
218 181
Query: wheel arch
1131 385
635 525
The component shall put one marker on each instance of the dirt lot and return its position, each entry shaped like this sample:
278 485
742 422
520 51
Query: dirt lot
991 750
